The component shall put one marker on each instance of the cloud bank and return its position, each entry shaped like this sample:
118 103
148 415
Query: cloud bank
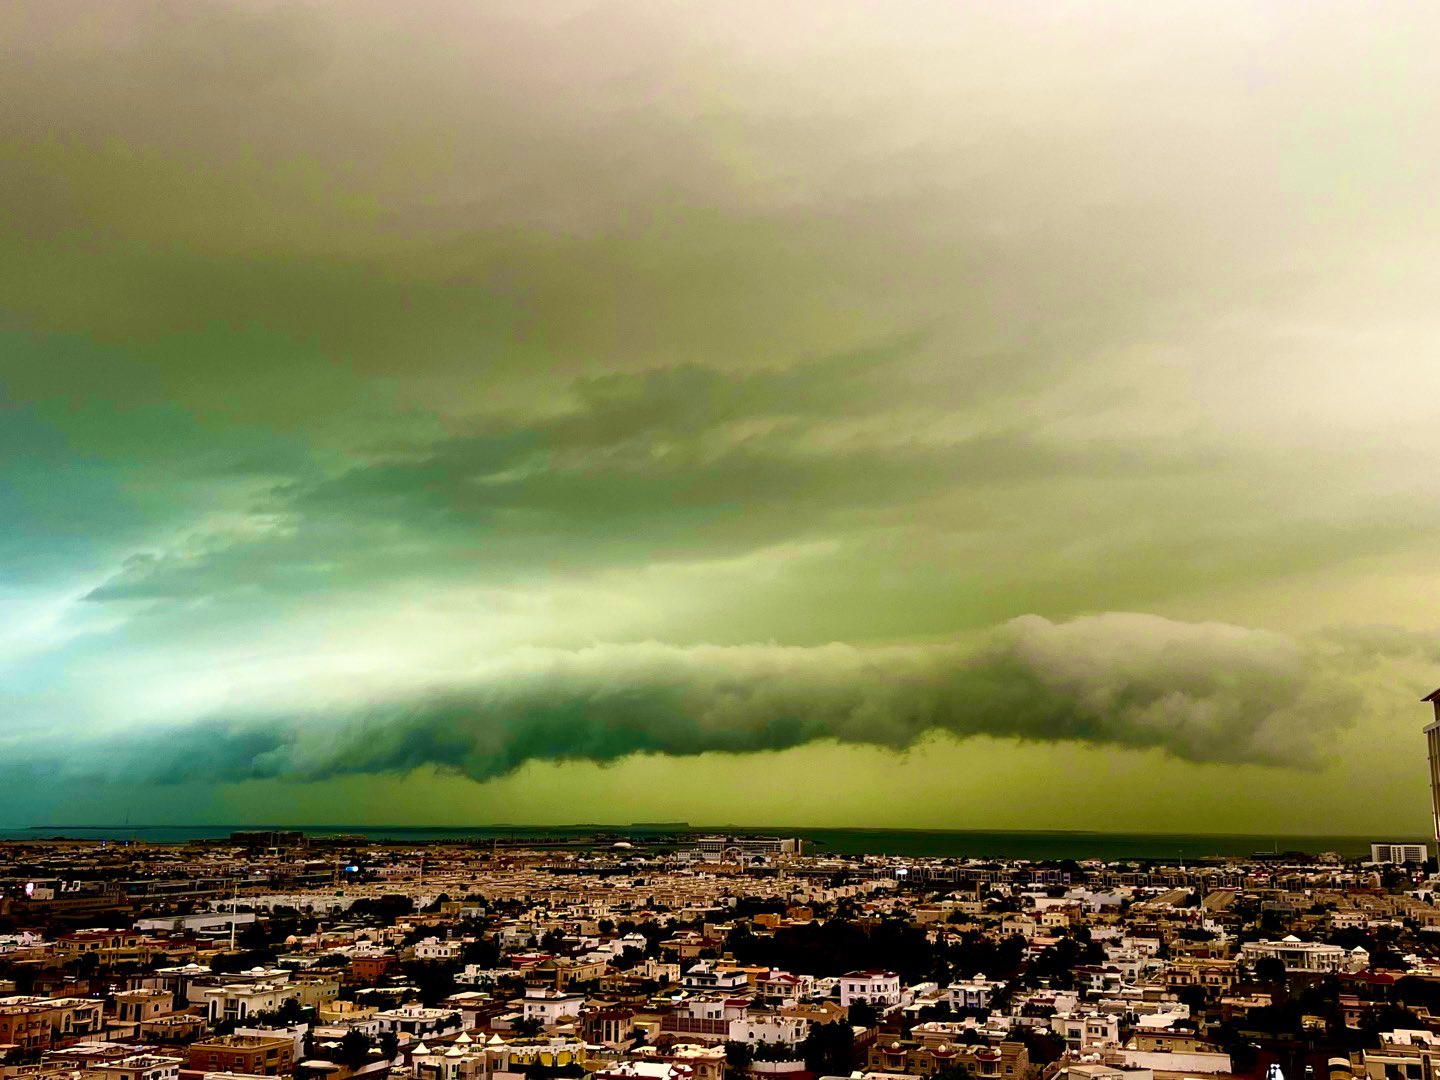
1202 692
342 403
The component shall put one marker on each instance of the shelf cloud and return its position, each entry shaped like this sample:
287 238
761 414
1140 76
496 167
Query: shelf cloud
1201 692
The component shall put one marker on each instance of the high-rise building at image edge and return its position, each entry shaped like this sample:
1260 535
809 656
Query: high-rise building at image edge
1432 744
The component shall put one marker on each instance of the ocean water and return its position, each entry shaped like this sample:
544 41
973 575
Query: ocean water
920 843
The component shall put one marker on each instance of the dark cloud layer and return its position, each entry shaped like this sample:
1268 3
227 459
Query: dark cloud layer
680 462
1200 692
349 349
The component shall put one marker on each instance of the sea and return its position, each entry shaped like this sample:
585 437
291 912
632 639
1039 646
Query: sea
1036 845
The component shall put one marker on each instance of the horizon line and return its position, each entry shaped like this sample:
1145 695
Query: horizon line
689 827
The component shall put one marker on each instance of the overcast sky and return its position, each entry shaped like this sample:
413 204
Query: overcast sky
897 413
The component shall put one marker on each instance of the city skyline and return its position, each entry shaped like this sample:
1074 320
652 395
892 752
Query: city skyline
852 414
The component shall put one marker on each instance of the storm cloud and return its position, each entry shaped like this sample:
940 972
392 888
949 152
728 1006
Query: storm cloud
395 386
1206 692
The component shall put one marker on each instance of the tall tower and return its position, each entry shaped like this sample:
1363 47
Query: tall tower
1432 744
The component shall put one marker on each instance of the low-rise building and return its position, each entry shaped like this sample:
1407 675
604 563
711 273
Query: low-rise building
873 987
1296 955
972 993
136 1067
415 1022
137 1006
550 1006
258 1055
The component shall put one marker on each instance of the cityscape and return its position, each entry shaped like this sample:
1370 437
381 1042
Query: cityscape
682 955
760 540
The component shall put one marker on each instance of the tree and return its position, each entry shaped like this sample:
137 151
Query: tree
386 909
629 957
863 1014
1389 1018
774 1051
242 961
434 980
1270 969
527 1027
839 945
1044 1046
289 1011
829 1049
738 1055
354 1048
482 952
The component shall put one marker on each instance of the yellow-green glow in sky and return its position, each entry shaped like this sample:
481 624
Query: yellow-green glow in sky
895 414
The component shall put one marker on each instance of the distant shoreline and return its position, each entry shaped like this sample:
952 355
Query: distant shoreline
678 826
1032 844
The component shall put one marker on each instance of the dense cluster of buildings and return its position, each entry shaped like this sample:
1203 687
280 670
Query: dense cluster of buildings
725 958
274 954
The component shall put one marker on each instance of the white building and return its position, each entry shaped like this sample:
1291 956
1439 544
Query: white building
706 977
754 1028
137 1067
1296 955
418 1022
194 982
973 993
746 849
1200 1062
211 923
549 1006
450 1062
1432 744
1088 1031
878 988
25 939
240 1001
781 988
1399 853
434 949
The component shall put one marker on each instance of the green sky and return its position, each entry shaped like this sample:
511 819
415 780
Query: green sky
1014 415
